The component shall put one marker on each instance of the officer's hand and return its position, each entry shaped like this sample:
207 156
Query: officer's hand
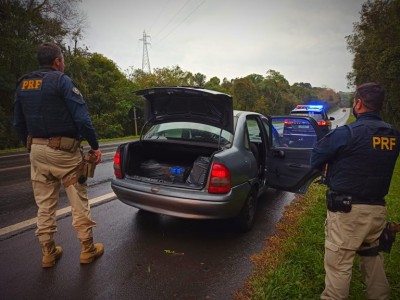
98 155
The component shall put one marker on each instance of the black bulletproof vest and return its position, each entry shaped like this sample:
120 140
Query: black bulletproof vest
46 113
364 168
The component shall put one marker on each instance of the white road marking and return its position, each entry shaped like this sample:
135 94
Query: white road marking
59 212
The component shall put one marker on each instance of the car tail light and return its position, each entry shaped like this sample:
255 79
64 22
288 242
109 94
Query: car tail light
220 179
288 122
117 165
323 123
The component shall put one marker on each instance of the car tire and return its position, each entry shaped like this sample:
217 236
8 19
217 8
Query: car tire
245 220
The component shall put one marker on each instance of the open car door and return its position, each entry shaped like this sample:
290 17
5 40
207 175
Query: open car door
292 139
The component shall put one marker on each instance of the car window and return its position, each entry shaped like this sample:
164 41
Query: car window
189 131
254 131
318 116
275 134
294 133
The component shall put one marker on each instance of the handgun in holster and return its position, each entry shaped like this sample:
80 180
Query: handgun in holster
89 166
386 240
388 237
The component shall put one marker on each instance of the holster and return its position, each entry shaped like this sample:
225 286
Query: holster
386 240
338 202
88 166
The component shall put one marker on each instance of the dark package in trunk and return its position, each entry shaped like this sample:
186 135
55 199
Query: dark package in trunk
199 171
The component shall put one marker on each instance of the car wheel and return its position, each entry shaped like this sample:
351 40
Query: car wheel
245 220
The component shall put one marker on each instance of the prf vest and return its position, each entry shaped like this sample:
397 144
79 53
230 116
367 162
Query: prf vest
364 167
45 111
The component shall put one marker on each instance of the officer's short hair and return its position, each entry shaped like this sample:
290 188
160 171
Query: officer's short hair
371 94
47 53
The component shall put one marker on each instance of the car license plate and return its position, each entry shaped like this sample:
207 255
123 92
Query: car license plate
303 126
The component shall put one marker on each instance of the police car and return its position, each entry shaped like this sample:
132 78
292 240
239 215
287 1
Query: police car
317 112
299 133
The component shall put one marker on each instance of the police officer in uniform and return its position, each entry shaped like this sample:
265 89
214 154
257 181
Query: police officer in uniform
360 158
51 119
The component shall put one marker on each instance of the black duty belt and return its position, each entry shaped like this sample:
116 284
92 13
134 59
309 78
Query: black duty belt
357 200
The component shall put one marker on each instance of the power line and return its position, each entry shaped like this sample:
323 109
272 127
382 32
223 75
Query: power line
187 17
159 15
172 19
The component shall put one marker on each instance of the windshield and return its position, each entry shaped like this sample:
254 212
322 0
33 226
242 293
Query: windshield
189 131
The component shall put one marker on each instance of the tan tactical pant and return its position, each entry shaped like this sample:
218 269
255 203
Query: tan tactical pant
344 234
50 168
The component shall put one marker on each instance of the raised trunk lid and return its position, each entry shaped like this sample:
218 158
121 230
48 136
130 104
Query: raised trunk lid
182 104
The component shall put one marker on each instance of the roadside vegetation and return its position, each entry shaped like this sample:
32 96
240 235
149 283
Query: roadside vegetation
291 266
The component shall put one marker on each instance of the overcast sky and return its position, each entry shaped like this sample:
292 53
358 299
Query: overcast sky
304 40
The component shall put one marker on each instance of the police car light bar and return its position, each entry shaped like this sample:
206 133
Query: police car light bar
310 107
315 107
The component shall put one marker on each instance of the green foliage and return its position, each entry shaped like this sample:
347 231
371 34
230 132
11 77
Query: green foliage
375 43
244 94
199 80
168 76
107 92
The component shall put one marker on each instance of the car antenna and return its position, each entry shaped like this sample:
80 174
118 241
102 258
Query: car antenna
141 131
219 139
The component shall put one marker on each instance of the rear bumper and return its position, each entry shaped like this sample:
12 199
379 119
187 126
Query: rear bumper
184 203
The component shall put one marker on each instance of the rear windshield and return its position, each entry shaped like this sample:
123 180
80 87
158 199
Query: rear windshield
318 116
189 131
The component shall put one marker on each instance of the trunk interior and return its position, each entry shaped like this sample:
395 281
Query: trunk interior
161 162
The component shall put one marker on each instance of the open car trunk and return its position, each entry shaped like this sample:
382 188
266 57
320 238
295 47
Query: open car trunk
165 163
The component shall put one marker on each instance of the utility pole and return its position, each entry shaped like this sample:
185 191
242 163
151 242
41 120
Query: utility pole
134 118
145 58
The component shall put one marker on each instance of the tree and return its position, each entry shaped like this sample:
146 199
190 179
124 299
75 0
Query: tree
168 76
226 86
275 86
199 80
329 96
302 91
107 92
24 25
213 84
375 43
244 94
262 106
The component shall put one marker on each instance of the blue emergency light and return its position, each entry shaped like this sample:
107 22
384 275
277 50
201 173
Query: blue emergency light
315 107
